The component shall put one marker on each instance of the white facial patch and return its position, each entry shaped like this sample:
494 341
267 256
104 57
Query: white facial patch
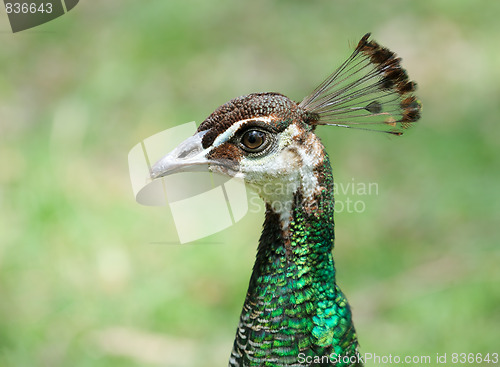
228 134
277 176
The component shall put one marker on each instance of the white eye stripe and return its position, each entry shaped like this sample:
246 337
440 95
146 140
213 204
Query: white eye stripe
229 133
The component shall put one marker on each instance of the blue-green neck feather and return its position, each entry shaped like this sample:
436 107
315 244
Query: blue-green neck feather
294 312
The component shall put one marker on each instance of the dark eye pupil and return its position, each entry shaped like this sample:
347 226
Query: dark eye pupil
253 139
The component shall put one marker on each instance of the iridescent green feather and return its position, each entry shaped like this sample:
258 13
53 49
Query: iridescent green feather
293 307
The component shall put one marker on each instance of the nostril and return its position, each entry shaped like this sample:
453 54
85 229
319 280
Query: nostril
189 152
190 147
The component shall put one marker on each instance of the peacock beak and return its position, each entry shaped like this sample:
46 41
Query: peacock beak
188 156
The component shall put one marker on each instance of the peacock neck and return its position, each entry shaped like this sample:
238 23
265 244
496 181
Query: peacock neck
294 312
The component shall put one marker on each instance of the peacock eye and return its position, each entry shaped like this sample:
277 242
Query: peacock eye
252 140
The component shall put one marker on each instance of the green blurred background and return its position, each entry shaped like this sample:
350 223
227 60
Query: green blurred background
83 279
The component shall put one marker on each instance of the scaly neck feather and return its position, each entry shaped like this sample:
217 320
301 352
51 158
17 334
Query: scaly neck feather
294 313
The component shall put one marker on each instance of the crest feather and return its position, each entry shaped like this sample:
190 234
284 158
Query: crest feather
369 91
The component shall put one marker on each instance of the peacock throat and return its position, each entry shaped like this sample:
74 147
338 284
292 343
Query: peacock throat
294 313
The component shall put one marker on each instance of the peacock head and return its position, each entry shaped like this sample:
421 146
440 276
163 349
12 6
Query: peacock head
264 138
268 140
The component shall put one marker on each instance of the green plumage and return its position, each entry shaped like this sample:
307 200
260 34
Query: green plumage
294 312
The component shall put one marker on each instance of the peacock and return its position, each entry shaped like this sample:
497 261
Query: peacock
294 313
